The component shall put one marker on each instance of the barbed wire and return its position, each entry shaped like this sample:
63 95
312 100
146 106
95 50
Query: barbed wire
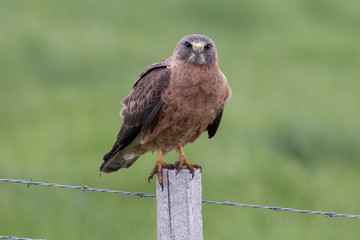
140 194
15 238
83 188
278 209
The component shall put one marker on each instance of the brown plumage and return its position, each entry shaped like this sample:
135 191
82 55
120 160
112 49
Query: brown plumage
172 103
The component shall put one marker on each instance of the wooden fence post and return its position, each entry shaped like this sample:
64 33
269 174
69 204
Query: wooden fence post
179 206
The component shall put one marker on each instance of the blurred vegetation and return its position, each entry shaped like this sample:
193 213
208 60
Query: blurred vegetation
289 137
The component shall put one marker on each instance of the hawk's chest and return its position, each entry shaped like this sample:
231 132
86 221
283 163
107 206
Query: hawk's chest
195 87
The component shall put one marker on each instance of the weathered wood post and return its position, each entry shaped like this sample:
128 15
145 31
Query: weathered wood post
179 206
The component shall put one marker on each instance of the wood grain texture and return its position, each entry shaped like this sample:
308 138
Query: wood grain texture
179 206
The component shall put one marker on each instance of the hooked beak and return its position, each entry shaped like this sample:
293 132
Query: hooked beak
198 48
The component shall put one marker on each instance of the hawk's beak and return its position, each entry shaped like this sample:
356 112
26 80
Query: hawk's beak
198 48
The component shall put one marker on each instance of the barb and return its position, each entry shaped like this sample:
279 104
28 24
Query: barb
15 238
139 194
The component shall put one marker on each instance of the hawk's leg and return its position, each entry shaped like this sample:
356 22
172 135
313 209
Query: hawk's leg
160 164
183 161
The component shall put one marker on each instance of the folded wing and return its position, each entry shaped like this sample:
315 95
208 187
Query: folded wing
140 109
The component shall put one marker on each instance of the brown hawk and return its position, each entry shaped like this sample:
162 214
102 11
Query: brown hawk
172 103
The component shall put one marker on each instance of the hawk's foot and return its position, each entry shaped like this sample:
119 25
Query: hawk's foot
160 164
184 162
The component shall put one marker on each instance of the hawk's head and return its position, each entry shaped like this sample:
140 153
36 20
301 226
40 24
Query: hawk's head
197 49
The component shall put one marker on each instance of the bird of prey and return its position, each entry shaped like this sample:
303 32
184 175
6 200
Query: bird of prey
171 104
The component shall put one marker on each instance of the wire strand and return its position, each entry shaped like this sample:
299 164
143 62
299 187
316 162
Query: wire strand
15 238
140 194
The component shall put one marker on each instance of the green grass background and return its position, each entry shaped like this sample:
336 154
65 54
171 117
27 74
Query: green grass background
290 136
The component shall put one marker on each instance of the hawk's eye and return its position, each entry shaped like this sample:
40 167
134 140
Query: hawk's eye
188 45
208 46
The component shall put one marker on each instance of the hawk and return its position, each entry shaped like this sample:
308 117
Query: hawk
171 104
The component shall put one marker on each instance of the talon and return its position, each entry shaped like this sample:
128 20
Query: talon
178 170
183 162
162 186
160 164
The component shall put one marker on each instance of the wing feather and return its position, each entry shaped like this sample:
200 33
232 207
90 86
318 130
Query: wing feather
142 104
213 127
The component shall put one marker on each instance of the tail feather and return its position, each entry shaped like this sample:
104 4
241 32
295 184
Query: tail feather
120 157
116 162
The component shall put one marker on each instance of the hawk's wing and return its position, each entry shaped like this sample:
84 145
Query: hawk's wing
213 127
140 106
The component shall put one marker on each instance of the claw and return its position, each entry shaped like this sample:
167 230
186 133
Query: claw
178 170
160 164
183 162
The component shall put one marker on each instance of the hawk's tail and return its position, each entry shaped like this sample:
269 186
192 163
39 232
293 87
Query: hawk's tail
120 157
117 161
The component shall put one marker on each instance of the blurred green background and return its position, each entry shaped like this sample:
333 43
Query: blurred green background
290 136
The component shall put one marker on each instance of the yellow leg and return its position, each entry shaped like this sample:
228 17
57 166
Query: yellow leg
183 161
181 151
160 155
160 164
